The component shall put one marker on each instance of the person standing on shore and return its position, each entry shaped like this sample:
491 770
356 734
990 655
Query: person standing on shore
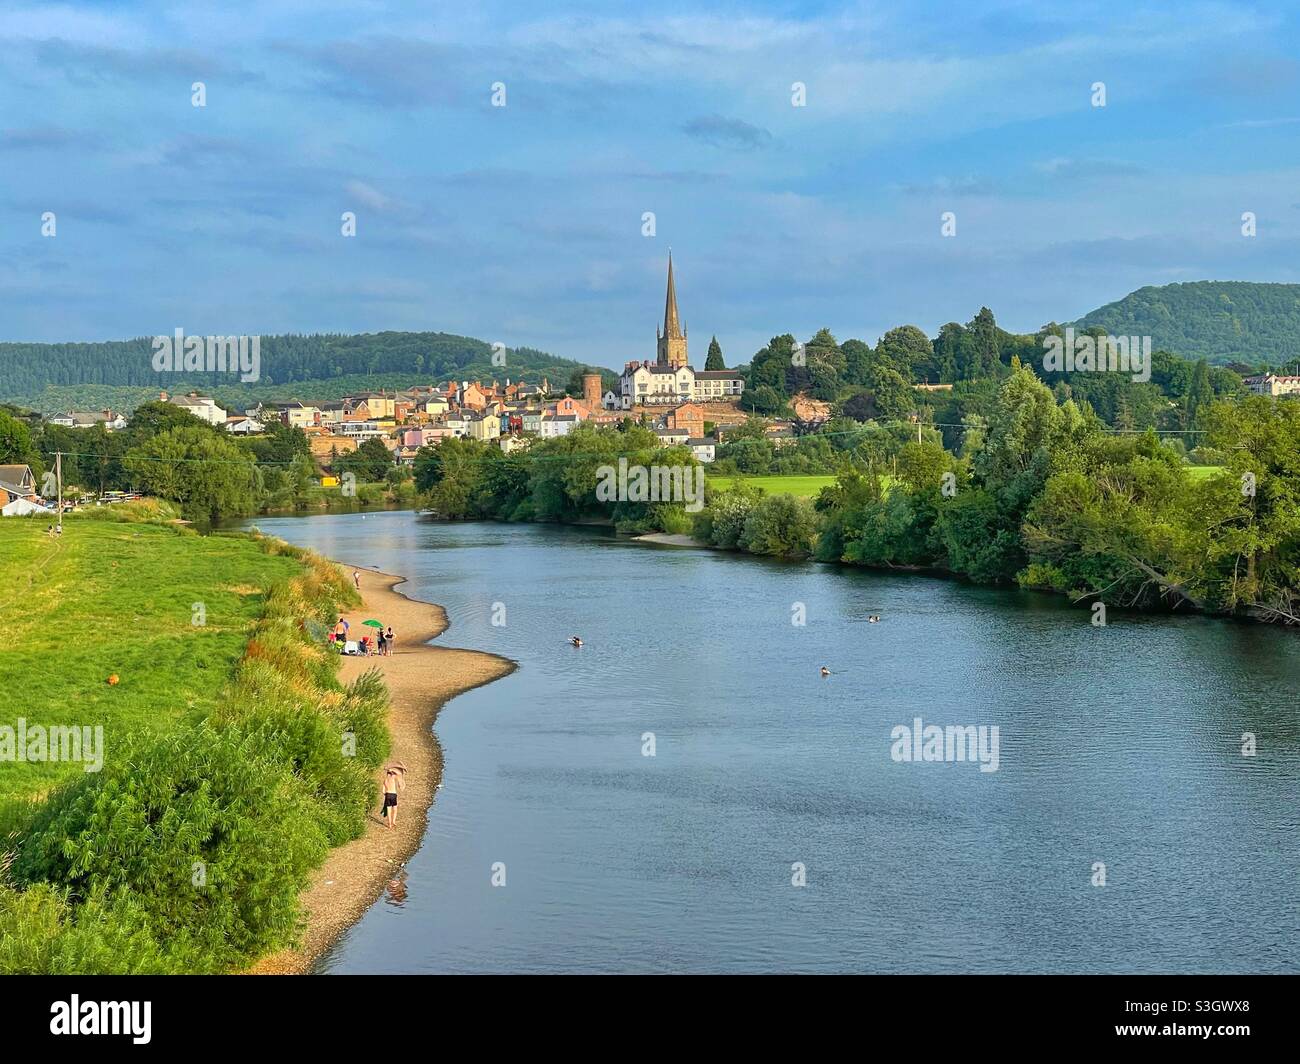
356 579
388 637
394 781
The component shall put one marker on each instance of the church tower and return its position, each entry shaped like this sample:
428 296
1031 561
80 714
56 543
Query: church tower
672 340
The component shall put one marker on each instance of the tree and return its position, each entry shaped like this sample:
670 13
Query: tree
890 391
370 462
210 476
857 361
908 350
714 361
16 447
1199 392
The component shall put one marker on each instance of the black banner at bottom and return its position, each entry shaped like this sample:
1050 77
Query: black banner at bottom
330 1013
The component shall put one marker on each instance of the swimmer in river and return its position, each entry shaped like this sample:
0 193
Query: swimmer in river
873 618
825 671
575 641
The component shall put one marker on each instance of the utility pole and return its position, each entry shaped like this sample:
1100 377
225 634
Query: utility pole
58 476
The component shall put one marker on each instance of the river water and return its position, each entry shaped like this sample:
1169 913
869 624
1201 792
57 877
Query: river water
1118 746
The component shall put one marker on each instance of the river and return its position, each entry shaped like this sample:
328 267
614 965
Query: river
1118 746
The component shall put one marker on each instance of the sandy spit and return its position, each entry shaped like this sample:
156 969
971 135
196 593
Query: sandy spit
421 680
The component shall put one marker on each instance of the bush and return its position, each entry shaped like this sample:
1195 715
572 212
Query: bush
201 803
782 525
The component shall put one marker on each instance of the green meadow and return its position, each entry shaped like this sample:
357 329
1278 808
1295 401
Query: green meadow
108 598
807 486
233 757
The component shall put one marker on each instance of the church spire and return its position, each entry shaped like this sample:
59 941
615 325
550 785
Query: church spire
672 325
672 341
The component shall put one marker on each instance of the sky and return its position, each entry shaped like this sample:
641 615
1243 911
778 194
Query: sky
525 223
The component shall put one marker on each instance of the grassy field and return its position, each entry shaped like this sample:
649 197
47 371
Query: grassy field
108 598
804 485
1203 472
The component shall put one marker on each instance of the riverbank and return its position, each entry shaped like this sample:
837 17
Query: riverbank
420 679
671 539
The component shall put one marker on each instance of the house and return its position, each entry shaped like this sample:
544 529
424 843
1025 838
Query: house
201 406
672 437
18 495
717 386
18 479
422 437
510 444
570 405
472 396
297 415
531 419
688 416
704 448
558 424
360 430
372 406
483 426
331 413
241 425
84 419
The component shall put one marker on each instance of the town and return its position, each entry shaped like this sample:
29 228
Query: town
682 405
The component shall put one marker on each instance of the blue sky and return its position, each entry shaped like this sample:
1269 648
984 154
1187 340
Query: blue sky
523 224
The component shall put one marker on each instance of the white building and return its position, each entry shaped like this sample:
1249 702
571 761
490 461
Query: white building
239 425
716 385
703 448
202 407
557 425
359 430
672 437
652 384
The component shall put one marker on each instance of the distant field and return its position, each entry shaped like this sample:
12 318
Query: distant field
108 598
807 485
1203 472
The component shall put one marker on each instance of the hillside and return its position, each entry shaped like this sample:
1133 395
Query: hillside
1222 321
119 373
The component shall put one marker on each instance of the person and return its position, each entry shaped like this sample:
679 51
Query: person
389 637
356 579
825 671
873 618
394 781
341 630
383 644
575 641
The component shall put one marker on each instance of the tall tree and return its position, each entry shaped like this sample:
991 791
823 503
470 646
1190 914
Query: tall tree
714 361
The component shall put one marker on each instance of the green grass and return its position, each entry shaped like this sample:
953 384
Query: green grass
1204 472
108 598
806 486
801 485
